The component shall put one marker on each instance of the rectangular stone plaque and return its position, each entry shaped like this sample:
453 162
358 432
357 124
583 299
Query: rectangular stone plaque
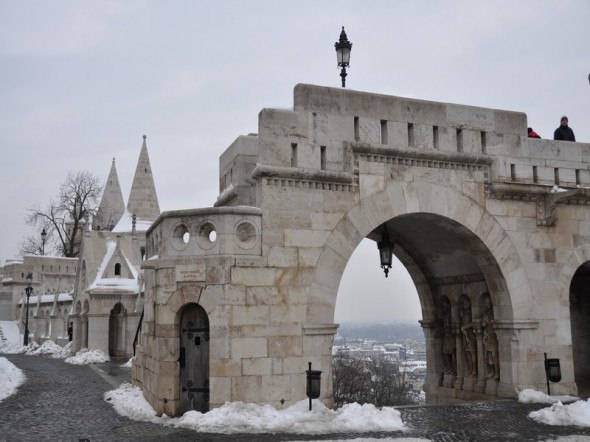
185 273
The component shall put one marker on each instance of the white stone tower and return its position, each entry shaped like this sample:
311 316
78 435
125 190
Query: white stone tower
143 200
112 205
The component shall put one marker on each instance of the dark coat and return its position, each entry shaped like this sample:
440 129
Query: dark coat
564 133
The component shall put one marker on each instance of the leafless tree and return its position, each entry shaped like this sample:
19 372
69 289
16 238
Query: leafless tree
65 215
373 381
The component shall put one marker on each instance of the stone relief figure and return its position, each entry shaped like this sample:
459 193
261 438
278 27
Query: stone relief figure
449 345
490 340
468 337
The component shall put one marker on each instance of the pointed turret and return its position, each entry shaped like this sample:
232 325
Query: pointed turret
143 200
112 205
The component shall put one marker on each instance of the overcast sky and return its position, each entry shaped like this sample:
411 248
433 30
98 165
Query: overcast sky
82 81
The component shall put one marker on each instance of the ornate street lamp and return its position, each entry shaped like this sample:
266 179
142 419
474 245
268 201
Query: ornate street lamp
385 247
343 48
43 238
28 291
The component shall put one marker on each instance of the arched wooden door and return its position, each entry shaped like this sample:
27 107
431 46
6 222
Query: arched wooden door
117 331
194 359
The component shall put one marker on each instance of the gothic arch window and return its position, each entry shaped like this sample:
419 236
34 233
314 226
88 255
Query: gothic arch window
117 269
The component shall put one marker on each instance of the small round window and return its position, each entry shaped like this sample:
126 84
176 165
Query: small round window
246 234
206 235
180 237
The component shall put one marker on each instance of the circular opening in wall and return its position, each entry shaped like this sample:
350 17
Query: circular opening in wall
180 237
246 234
206 235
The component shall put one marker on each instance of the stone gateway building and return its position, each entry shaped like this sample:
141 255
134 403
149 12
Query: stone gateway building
492 226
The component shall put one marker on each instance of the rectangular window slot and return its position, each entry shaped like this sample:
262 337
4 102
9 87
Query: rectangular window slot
293 154
578 182
483 142
556 172
383 131
435 136
410 135
323 157
535 175
513 172
356 129
459 140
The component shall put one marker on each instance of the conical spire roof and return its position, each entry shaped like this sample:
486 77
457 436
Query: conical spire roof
112 205
143 200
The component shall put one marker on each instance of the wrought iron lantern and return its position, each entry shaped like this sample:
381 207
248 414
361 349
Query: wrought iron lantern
552 370
314 381
343 48
28 291
385 247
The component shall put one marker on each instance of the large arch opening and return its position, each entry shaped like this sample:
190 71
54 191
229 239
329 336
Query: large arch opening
379 334
580 320
462 294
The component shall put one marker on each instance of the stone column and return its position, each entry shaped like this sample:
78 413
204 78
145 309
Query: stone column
460 356
480 387
434 369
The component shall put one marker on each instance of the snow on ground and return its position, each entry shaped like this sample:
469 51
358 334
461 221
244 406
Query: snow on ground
127 364
10 378
86 356
48 348
238 417
575 413
10 332
529 396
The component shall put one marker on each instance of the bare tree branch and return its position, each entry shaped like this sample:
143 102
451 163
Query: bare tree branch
64 217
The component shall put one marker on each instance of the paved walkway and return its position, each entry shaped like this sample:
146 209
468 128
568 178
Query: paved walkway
63 402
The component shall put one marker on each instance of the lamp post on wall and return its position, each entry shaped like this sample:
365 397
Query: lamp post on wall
385 247
28 291
43 238
343 48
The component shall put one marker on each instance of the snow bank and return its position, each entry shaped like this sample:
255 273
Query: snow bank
127 364
48 348
238 417
10 378
577 413
529 396
86 356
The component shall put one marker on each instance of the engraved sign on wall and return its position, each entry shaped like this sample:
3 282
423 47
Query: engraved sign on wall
185 273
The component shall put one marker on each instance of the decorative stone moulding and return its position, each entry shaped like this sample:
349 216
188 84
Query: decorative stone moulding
206 232
545 197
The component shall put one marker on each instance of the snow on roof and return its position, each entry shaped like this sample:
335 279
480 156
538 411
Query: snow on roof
125 224
49 298
117 282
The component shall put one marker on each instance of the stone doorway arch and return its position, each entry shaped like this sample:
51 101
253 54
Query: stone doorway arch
194 359
117 330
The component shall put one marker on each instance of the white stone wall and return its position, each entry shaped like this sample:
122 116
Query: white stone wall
332 171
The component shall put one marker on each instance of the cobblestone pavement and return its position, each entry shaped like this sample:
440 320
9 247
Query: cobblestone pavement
63 402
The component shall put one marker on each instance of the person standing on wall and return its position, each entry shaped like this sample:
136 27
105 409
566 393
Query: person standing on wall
564 132
532 133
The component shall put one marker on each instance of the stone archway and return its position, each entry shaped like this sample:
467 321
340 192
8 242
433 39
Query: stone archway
117 330
451 247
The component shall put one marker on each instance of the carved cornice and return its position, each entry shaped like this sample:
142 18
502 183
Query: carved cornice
414 157
304 178
546 199
320 329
